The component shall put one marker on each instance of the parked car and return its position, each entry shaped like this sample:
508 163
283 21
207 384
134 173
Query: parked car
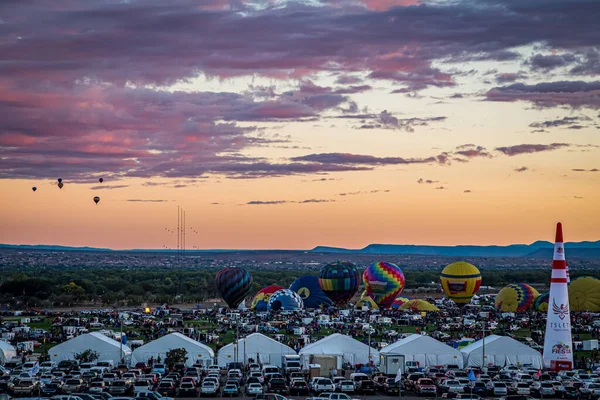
345 386
300 387
278 386
27 387
120 388
187 389
166 388
230 389
497 389
323 385
425 387
390 386
208 388
73 386
252 389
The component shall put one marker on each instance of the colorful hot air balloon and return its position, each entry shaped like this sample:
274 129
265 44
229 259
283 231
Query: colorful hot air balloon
34 188
96 199
366 301
397 303
312 295
541 303
584 294
261 299
100 180
383 282
285 299
339 280
460 281
419 305
234 284
516 297
60 185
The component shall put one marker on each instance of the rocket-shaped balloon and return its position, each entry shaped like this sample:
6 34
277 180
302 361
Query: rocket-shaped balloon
558 344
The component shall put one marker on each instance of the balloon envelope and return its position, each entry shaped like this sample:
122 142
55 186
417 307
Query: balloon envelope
516 297
383 282
59 180
34 188
310 291
584 294
285 299
366 301
261 299
541 303
234 284
60 185
96 199
460 281
418 305
100 180
397 303
339 280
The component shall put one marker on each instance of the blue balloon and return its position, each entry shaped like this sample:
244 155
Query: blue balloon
310 291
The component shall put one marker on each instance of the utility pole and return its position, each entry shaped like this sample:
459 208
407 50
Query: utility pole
178 218
483 348
121 354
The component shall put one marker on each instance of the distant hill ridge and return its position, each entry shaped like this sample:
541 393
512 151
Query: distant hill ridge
536 249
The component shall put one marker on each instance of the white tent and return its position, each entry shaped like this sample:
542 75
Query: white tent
501 351
344 347
425 350
160 347
107 348
7 351
256 346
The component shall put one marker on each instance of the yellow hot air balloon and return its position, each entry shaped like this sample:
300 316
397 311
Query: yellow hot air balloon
516 297
418 305
366 301
584 294
460 281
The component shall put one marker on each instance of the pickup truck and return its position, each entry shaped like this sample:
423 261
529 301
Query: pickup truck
278 386
425 387
323 385
26 387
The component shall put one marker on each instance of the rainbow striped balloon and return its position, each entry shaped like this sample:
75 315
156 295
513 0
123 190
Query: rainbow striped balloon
383 282
516 297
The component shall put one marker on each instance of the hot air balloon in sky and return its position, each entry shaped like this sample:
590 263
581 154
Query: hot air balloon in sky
96 199
59 180
310 291
366 301
101 180
34 188
261 299
460 281
383 282
60 185
339 280
516 297
285 299
541 303
584 294
234 284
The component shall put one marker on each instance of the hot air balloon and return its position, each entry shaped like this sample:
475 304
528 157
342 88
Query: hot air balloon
397 303
541 303
383 282
96 199
261 299
100 180
516 297
59 180
419 305
312 295
366 301
34 188
584 294
60 185
234 284
285 299
460 281
339 280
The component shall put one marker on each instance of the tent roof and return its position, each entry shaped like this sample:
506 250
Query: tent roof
6 346
495 344
335 344
262 342
419 344
88 340
176 337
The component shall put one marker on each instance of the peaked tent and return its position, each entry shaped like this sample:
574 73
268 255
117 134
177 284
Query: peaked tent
256 346
107 348
345 348
160 347
7 351
501 351
425 350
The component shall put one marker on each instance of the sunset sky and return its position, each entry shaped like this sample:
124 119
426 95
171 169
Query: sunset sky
292 124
